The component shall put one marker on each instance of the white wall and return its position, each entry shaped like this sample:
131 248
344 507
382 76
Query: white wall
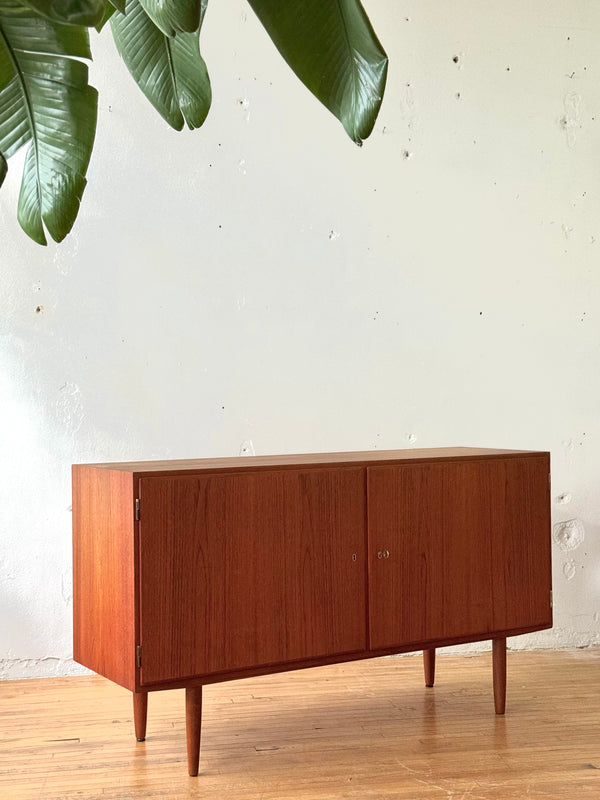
263 280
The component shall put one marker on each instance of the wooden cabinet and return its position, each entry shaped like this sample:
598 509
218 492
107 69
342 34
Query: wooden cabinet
250 569
191 572
469 549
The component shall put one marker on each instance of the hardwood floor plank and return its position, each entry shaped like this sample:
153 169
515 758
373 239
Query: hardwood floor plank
367 730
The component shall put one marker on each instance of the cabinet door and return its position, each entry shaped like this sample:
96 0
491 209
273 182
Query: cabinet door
469 549
249 569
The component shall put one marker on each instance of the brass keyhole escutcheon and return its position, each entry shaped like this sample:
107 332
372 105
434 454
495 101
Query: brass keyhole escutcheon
383 554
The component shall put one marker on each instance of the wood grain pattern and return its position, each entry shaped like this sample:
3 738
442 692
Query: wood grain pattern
240 569
104 573
293 461
521 544
469 547
250 569
429 666
140 714
193 725
309 663
368 729
499 674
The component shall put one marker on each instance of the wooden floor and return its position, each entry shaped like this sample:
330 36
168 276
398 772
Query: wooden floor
367 730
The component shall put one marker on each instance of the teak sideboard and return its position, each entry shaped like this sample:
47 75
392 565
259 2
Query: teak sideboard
192 572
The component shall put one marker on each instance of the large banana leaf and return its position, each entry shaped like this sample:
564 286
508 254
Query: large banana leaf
333 49
174 16
72 12
170 71
3 169
110 7
46 101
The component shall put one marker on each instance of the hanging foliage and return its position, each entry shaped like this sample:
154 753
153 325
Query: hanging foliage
48 106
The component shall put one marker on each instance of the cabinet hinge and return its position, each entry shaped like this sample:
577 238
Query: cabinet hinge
137 508
551 599
138 656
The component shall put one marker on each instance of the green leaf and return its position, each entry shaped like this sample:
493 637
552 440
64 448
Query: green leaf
70 12
333 49
46 102
3 169
174 16
109 10
110 7
169 71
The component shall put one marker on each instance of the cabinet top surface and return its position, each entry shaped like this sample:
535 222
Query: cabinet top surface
358 458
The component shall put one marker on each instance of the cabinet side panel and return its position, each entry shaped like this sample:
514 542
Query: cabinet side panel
103 573
244 570
521 546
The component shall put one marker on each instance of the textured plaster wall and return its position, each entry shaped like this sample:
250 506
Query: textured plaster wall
264 285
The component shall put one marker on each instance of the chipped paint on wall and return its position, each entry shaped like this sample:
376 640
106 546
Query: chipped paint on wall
244 105
564 498
69 407
47 667
569 569
247 448
571 121
569 535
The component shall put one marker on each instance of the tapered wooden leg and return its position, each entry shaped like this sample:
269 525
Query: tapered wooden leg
193 722
429 666
499 667
140 714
